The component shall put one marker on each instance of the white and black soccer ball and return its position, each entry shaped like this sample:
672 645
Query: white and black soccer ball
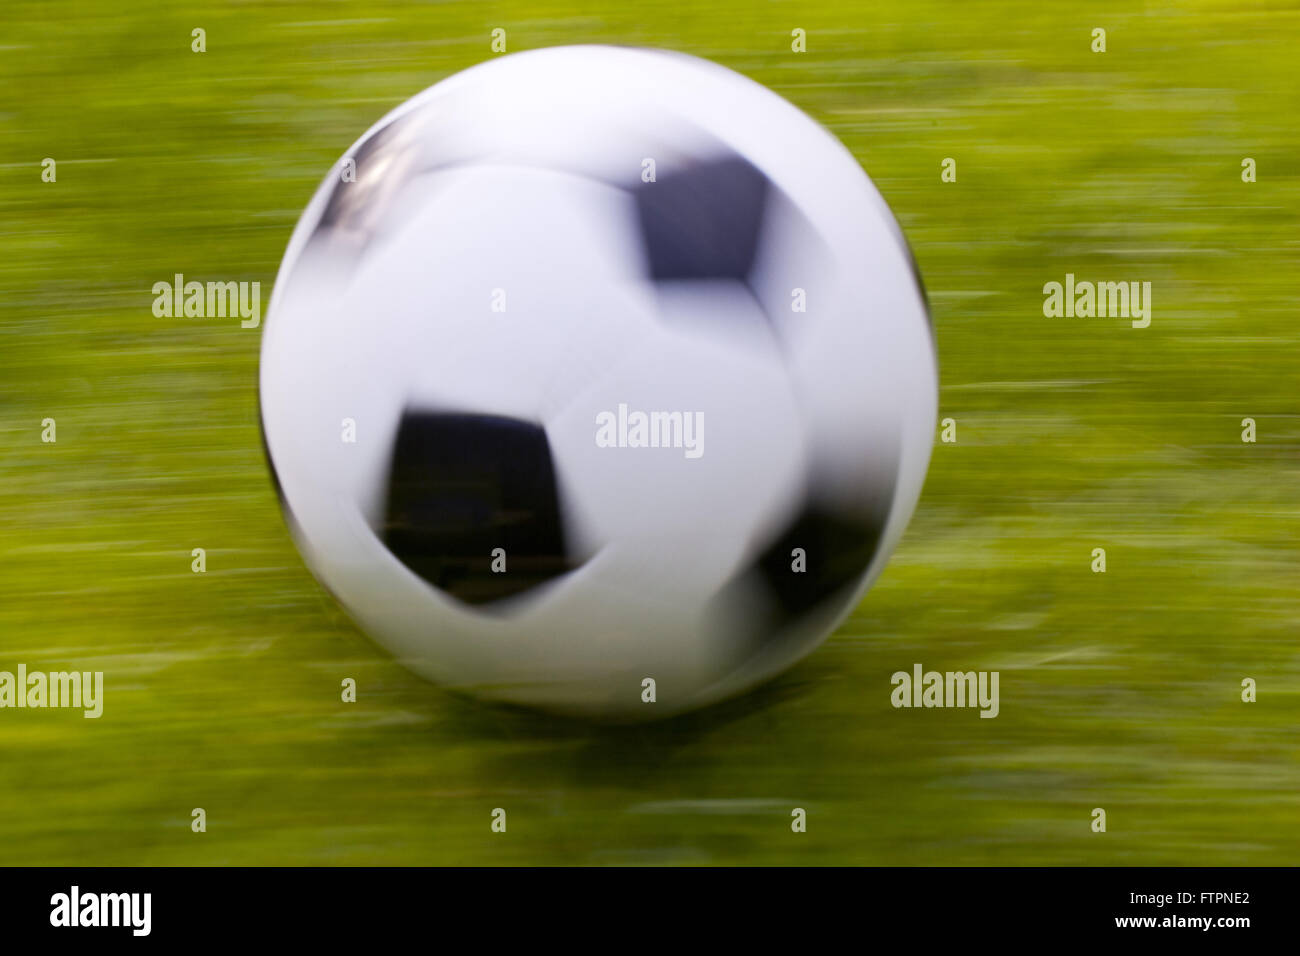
594 365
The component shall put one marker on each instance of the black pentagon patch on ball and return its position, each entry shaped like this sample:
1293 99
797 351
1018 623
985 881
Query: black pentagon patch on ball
703 221
837 549
462 485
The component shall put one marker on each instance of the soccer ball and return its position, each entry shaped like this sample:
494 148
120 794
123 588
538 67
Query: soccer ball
599 380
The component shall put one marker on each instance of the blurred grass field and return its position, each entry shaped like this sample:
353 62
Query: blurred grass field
1119 690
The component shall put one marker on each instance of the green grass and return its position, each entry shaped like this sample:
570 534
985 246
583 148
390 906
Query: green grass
1118 690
